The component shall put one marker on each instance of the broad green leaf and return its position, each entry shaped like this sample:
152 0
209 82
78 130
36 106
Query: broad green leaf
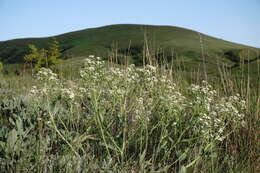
183 169
19 124
12 138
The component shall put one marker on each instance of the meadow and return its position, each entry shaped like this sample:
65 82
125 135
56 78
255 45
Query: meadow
93 115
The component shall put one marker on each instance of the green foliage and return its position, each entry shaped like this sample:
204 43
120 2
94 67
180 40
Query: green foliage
53 53
97 41
128 119
38 58
233 55
247 54
33 57
1 66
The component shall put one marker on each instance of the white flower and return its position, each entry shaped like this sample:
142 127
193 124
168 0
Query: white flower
82 90
68 93
33 91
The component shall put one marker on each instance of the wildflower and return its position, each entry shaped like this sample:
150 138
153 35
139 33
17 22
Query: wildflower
68 93
33 91
82 90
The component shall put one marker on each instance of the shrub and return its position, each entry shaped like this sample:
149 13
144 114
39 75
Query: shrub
38 58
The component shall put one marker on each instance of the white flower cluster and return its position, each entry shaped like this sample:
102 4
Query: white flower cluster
68 93
140 90
33 91
50 86
46 75
117 83
216 113
171 95
142 109
93 68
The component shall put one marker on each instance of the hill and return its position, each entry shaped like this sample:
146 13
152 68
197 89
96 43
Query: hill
185 46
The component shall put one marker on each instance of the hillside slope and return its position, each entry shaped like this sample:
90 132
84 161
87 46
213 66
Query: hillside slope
172 42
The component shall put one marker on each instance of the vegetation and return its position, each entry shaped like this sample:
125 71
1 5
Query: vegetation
111 118
152 105
1 66
43 58
178 44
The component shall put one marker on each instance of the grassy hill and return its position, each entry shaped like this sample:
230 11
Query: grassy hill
172 43
90 115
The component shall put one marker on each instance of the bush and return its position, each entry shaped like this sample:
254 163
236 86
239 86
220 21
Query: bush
232 55
38 58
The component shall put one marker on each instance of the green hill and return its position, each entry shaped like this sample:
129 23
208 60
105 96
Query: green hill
173 43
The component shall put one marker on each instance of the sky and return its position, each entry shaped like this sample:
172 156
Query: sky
233 20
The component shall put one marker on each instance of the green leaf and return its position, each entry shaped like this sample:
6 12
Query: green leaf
183 169
11 121
183 156
19 124
11 138
2 145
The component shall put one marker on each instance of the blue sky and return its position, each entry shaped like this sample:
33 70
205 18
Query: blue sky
233 20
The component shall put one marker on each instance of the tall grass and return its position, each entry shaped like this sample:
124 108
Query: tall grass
110 118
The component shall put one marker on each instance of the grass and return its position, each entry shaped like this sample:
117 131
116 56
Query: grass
99 116
176 43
